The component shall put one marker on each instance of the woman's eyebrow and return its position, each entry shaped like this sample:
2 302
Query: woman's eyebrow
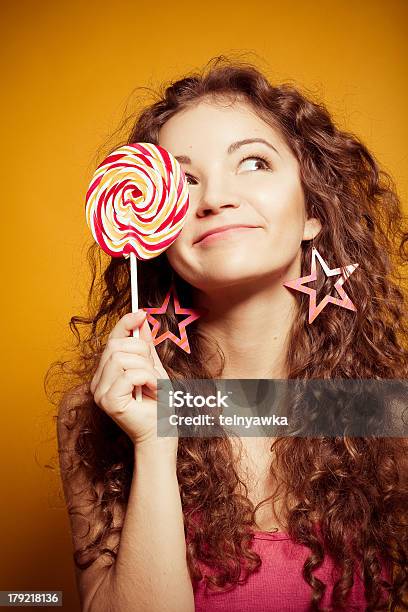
184 159
235 145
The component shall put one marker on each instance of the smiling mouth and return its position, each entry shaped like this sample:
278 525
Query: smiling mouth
223 234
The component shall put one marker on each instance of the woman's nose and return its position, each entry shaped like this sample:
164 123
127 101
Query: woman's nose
214 199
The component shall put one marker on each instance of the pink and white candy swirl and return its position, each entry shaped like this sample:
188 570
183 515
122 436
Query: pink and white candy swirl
137 201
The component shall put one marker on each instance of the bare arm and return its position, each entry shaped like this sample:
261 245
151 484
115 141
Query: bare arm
150 573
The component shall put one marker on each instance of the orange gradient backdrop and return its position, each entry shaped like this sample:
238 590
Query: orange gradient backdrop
68 72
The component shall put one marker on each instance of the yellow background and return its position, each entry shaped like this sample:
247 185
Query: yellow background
68 69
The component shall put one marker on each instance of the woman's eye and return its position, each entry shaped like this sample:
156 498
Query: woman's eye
188 177
264 166
261 160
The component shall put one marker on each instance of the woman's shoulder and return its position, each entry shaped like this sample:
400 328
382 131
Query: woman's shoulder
71 397
66 428
70 400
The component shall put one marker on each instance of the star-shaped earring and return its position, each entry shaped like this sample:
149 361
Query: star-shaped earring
194 313
298 283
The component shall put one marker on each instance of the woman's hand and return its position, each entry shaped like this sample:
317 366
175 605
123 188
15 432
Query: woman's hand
126 363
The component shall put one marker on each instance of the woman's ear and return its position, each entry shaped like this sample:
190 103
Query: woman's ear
312 228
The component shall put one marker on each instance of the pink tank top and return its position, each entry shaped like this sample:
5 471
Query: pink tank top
278 585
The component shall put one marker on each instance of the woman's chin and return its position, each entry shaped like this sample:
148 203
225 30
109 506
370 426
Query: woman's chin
226 281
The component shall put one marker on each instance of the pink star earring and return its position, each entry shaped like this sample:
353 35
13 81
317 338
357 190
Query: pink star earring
193 314
298 285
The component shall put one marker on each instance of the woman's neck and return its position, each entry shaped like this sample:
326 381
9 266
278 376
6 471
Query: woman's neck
251 323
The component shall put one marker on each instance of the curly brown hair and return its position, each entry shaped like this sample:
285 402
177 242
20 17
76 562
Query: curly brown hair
355 488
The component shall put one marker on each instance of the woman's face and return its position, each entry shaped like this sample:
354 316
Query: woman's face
230 183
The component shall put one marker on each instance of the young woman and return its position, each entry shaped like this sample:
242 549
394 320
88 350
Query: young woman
167 524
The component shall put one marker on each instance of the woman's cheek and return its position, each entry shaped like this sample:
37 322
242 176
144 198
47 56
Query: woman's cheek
178 260
286 209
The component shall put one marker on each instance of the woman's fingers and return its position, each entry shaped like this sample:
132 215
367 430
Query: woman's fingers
127 324
121 333
128 362
130 345
115 365
137 420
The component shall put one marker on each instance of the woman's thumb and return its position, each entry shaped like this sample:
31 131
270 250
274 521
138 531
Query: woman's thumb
146 335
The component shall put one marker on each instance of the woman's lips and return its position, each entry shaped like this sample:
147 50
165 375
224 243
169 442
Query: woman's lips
223 234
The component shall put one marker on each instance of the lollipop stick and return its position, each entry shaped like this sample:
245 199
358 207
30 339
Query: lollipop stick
135 306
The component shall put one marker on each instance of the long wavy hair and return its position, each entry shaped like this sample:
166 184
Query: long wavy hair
354 488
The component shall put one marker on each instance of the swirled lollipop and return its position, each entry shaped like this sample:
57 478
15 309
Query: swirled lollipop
137 201
136 205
